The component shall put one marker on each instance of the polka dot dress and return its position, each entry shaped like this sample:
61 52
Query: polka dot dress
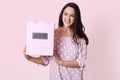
67 49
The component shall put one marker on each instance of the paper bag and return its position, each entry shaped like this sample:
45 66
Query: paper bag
40 38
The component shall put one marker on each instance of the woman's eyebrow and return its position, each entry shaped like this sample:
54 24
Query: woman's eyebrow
67 13
64 12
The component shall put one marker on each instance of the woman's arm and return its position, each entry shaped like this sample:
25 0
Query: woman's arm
37 60
80 62
72 63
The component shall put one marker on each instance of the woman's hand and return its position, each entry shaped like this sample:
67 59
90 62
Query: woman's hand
26 56
37 60
57 59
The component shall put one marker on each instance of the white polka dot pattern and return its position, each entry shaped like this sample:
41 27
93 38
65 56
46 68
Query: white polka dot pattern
67 50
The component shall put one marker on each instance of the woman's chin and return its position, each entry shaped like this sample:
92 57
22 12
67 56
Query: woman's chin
67 25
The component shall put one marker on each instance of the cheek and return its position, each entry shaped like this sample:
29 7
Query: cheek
72 20
63 17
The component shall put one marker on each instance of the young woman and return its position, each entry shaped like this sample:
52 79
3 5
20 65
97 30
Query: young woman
70 47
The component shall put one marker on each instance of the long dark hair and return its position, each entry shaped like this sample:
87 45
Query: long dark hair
77 27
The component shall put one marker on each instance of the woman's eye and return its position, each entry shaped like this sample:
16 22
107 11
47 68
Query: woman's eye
65 13
72 15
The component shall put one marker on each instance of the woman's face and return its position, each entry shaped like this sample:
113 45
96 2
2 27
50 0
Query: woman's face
68 17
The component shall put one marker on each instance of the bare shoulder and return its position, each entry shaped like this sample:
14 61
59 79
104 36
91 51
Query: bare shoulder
57 31
81 39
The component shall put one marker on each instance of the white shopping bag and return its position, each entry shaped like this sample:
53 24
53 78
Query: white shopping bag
40 38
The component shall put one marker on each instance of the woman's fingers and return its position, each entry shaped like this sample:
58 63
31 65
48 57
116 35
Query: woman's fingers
26 56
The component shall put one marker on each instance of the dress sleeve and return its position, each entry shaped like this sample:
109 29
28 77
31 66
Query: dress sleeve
82 54
45 59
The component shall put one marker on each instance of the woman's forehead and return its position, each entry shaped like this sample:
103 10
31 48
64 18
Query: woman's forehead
69 10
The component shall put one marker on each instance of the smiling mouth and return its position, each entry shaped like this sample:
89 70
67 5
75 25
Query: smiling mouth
67 22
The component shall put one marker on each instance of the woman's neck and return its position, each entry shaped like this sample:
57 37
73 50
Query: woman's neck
67 29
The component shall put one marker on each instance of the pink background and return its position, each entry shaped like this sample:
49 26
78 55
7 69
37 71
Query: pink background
100 17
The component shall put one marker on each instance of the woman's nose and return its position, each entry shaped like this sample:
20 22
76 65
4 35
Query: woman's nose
68 17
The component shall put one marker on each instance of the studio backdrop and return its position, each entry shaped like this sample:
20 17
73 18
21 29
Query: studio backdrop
101 19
